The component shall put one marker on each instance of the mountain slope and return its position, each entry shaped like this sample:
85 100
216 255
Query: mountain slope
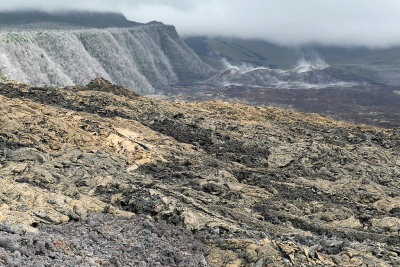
260 185
144 57
76 18
238 51
379 64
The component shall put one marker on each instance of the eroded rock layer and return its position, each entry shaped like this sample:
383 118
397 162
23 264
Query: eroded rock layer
261 186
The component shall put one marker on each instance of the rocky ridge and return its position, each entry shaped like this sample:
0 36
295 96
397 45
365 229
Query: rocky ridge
102 240
260 186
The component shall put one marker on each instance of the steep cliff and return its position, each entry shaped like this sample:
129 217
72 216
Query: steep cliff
145 57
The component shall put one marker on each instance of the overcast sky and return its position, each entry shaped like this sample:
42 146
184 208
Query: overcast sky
343 22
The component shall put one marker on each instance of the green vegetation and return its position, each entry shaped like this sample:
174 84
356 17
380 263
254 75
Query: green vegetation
255 52
238 51
42 35
359 60
90 34
15 38
60 19
3 77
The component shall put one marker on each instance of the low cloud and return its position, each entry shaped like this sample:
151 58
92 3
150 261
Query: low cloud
372 23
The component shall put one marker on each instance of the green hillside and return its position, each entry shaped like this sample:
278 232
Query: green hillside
382 64
238 51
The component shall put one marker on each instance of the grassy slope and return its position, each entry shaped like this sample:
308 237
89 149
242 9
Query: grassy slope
237 51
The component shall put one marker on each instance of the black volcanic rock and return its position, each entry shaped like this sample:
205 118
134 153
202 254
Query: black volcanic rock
258 185
100 84
103 240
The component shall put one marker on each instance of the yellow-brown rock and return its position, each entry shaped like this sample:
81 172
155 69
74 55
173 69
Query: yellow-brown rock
262 186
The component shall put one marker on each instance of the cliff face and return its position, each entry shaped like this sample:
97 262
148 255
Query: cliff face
143 57
259 185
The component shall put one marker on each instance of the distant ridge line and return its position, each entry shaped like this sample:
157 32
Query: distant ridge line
77 18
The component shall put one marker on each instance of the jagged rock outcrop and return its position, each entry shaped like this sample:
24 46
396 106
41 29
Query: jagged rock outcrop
102 240
262 186
144 57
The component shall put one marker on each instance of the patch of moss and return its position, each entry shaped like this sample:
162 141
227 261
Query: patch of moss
90 35
15 38
3 77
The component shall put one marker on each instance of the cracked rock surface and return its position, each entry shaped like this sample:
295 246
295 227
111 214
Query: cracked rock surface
261 186
102 240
